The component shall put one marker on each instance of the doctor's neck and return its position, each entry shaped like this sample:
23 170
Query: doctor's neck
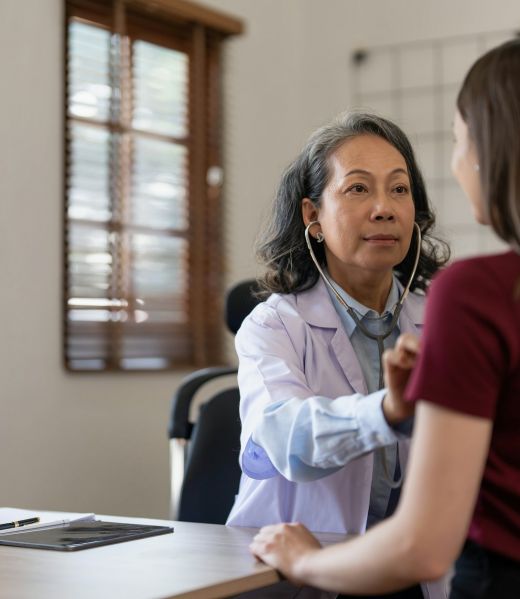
370 288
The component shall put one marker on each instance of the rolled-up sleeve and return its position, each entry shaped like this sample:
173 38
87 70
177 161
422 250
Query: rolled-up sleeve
307 440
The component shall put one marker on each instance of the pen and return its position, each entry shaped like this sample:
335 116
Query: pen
18 523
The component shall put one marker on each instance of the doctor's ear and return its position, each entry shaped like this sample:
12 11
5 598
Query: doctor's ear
309 211
310 217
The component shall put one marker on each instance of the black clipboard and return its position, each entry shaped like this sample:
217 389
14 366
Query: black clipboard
74 537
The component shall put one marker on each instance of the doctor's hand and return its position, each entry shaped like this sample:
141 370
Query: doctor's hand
285 547
398 364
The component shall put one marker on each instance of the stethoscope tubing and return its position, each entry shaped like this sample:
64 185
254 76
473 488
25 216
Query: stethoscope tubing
378 338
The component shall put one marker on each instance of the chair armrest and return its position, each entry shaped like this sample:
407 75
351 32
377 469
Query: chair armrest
179 426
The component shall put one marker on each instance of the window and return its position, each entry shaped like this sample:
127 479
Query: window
142 258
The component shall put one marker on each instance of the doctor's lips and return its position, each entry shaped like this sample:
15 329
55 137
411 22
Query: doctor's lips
381 239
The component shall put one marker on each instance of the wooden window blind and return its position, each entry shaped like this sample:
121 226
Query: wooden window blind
142 259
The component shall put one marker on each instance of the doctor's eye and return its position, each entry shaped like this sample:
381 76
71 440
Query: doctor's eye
401 189
357 188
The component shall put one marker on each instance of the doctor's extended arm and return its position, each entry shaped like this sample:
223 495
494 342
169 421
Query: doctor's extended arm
286 427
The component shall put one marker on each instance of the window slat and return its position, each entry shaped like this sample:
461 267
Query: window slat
88 67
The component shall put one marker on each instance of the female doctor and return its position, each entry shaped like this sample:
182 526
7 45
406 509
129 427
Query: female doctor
346 251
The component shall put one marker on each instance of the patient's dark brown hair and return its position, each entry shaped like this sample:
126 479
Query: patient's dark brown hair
489 103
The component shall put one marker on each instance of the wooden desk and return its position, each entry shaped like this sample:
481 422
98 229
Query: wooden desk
197 561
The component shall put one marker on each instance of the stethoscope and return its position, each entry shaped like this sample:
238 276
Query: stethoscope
352 313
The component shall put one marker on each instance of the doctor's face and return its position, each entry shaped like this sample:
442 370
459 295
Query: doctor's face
367 210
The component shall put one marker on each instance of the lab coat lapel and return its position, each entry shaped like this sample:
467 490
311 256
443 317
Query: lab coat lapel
316 307
412 316
348 360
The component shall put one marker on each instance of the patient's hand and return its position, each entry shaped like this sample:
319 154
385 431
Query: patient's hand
398 364
285 547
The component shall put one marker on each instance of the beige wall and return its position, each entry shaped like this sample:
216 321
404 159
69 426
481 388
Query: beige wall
98 443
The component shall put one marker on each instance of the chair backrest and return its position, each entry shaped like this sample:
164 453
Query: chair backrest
240 300
212 471
204 454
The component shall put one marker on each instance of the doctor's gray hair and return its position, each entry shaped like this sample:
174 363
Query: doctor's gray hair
281 246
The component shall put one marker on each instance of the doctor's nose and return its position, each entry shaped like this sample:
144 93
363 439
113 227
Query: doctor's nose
384 217
382 210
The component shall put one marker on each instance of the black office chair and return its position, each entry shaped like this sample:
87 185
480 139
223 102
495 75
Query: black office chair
204 454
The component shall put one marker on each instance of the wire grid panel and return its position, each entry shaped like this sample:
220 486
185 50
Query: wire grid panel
415 84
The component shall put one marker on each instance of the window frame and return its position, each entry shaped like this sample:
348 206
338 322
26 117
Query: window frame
199 32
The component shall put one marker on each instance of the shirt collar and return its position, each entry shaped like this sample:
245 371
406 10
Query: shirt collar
363 311
312 306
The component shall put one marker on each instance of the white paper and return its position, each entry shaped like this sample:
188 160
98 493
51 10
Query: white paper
8 514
